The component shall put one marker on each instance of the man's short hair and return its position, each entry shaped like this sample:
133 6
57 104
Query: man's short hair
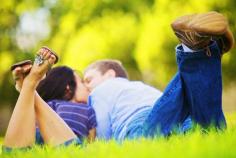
104 65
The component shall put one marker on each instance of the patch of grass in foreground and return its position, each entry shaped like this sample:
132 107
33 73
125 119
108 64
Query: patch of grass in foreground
194 144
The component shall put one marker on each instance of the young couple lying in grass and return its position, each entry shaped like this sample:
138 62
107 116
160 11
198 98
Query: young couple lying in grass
124 109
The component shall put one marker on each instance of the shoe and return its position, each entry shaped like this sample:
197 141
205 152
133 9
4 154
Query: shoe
20 64
51 51
20 75
197 30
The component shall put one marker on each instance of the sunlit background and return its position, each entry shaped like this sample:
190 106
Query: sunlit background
137 32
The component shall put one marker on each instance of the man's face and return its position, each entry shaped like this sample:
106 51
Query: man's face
93 78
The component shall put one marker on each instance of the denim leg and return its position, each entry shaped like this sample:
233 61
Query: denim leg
196 90
202 79
168 111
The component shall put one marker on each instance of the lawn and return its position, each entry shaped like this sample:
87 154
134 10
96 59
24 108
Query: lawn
194 144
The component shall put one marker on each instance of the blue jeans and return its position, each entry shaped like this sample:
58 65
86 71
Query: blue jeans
195 91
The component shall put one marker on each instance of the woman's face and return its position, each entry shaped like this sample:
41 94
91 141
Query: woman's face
81 91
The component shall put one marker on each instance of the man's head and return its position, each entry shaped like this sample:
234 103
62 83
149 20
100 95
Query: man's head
102 70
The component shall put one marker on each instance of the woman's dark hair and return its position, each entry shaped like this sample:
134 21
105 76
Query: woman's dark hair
55 83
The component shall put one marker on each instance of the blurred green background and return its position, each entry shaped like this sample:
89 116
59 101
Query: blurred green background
137 32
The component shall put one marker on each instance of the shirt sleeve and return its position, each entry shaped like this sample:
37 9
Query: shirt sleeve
92 122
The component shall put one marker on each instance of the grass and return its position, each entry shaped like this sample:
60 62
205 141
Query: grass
194 144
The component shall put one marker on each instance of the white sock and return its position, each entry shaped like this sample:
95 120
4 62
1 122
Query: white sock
187 49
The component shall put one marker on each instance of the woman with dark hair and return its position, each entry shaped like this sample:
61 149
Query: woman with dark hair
31 108
65 93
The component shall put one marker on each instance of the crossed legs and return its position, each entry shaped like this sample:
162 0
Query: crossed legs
196 90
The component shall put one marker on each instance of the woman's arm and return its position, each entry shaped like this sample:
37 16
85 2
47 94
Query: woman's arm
92 135
53 128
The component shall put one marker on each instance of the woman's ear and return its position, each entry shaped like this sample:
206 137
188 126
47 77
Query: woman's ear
68 93
67 87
